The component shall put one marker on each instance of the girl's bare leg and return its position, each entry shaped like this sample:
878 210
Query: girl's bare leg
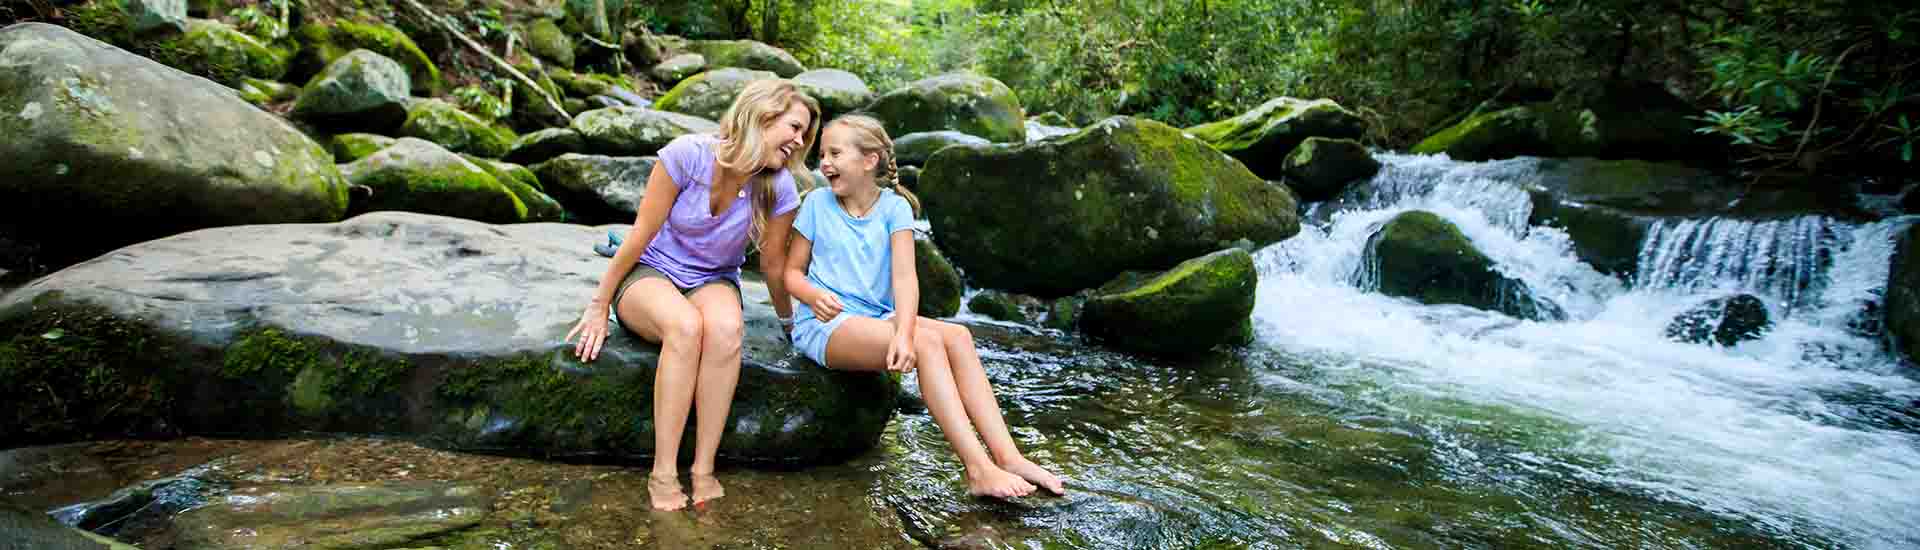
720 335
655 310
861 344
970 377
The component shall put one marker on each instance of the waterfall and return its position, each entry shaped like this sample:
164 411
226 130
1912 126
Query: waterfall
1806 429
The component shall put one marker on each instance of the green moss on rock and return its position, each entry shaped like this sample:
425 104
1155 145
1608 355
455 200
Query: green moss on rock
707 95
1193 307
322 43
77 371
748 54
526 186
544 38
1320 168
443 123
352 147
1263 136
539 146
219 52
940 285
970 103
418 176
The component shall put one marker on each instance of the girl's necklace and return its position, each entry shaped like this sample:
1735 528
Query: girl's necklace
867 209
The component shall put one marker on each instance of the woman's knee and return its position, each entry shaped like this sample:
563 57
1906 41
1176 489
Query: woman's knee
681 330
722 332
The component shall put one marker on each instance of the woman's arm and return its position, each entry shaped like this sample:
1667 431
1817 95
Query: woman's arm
773 262
906 301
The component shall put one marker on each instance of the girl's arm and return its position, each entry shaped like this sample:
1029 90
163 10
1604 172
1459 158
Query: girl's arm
906 301
773 262
800 253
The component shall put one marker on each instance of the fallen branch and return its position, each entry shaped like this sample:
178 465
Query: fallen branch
535 86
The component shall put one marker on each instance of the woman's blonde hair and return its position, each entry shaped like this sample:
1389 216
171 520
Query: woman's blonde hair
740 141
871 137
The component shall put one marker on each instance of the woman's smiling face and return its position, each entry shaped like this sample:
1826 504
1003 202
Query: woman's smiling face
786 135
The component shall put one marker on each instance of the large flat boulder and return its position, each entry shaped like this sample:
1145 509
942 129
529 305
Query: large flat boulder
90 133
1052 217
439 329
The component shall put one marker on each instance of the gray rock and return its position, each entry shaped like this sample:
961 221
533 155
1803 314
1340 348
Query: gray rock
914 149
838 91
359 91
707 95
971 103
635 131
678 68
536 147
597 189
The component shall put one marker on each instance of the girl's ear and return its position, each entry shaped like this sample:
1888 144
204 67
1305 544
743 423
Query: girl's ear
873 161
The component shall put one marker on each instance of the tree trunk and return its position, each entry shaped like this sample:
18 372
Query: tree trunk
770 22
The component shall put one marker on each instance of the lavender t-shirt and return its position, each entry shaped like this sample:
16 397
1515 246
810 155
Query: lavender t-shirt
694 247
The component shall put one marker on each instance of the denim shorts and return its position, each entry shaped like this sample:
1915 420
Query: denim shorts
810 334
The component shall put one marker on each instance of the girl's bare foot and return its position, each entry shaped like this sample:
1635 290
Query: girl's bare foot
991 481
665 492
1033 473
705 488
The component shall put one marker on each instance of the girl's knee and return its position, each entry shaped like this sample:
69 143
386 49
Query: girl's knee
928 338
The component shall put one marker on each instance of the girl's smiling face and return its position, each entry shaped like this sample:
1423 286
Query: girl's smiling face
847 168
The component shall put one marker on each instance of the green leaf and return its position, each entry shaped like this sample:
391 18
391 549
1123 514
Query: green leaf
54 334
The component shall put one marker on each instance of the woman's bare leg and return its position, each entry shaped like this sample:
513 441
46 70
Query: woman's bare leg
720 335
655 310
970 378
861 344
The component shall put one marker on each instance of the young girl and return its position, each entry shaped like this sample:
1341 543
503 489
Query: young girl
852 269
675 279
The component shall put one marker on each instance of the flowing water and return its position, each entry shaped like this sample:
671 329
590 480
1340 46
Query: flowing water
1356 420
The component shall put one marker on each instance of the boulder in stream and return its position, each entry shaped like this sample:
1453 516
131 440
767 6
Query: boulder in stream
1422 256
1193 307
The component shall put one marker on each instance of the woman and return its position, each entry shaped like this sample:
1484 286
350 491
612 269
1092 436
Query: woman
675 279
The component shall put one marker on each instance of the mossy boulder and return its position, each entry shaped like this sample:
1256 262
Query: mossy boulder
1064 312
219 52
1262 137
837 91
678 68
635 131
1902 311
1050 218
940 284
530 111
320 44
1422 256
970 103
92 132
707 95
354 146
360 91
1725 321
146 16
748 54
536 147
1197 305
597 189
910 178
445 331
25 528
1319 168
261 92
643 49
1616 120
1037 131
584 84
914 149
545 39
1002 306
415 175
525 186
440 122
345 516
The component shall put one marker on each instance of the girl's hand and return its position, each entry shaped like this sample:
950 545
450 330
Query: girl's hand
825 307
900 353
592 330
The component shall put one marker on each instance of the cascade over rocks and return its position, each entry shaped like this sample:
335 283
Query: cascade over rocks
1052 217
89 131
1422 256
443 330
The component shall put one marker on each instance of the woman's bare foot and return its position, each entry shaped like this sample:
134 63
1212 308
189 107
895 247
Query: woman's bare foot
991 481
705 488
1033 473
665 492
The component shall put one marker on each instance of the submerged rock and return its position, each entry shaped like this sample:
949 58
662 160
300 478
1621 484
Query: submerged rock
1201 303
1902 312
90 132
445 330
25 529
1262 137
965 102
1002 306
1422 256
1726 321
336 517
1052 217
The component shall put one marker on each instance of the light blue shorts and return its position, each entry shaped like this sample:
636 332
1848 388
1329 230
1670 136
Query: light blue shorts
810 334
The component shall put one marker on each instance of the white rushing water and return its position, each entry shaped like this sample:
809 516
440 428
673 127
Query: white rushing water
1779 431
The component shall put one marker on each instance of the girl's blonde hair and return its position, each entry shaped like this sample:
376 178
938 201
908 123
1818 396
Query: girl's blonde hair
870 137
740 141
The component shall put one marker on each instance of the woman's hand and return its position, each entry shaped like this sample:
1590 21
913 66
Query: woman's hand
900 352
825 306
592 330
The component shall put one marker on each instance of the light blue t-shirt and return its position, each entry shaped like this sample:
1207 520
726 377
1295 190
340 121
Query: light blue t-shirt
852 257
